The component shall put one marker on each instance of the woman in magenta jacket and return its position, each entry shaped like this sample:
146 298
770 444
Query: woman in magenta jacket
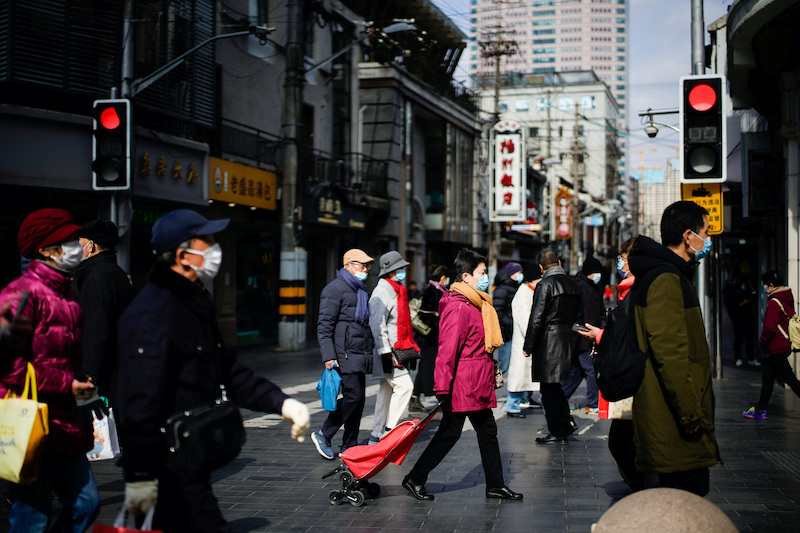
469 331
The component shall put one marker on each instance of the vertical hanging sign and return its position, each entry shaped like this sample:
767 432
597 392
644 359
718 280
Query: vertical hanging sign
507 186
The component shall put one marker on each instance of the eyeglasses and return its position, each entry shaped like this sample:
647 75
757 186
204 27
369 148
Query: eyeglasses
623 259
363 266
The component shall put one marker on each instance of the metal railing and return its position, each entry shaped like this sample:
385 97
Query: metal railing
353 171
251 143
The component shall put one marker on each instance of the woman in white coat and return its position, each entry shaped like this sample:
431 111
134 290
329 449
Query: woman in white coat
390 322
519 366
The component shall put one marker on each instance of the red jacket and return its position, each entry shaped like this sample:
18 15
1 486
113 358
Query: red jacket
56 348
461 339
772 340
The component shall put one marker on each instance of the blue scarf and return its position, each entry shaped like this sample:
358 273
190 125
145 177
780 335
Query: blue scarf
362 309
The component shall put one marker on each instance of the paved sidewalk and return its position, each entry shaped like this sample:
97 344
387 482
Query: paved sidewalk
275 484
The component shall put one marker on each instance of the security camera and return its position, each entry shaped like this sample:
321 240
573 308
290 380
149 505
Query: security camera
651 130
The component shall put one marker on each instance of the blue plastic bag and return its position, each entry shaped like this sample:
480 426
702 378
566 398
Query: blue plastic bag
328 387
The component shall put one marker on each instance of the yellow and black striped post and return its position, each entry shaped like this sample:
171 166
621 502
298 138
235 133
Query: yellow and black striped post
292 300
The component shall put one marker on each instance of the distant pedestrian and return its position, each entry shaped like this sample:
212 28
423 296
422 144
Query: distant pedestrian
506 282
50 339
464 381
740 297
390 322
588 280
550 340
774 342
345 343
413 292
438 282
104 292
519 382
673 410
173 360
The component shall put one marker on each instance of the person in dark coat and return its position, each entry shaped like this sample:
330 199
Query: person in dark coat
550 340
740 297
588 279
346 343
104 292
428 344
172 359
506 282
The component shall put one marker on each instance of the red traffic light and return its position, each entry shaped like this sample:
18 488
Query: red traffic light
702 97
110 119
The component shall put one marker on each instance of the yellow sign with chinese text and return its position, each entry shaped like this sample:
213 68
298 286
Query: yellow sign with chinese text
708 195
240 184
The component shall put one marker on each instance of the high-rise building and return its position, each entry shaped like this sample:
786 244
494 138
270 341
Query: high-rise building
555 36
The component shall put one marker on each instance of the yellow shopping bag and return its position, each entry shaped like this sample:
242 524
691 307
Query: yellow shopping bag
24 424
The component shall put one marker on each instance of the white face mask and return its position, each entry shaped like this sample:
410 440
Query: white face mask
212 259
71 254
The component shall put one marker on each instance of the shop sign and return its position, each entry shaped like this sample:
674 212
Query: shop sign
507 186
708 195
174 171
563 213
330 209
241 184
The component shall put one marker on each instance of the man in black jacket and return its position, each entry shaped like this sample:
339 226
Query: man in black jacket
345 342
506 283
557 305
588 279
172 359
104 292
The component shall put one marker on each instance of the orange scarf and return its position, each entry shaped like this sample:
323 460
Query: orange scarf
491 324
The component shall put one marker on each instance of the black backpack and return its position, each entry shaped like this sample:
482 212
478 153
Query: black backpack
618 361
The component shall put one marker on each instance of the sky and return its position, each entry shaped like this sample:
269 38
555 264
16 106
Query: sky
660 53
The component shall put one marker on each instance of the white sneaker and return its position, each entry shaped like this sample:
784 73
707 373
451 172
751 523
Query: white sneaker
755 362
739 362
524 405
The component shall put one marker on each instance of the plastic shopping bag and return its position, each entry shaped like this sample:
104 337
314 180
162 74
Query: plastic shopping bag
120 525
622 409
328 387
106 444
24 424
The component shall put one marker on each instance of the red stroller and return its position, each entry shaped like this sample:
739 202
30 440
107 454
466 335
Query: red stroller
362 462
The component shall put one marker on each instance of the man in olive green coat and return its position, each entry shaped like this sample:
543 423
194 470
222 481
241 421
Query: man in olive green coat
673 410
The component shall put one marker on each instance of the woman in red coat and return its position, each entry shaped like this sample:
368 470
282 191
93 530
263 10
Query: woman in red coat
469 331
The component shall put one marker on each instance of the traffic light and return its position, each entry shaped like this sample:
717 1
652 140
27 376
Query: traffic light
703 146
111 145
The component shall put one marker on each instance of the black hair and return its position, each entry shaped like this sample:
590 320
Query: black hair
466 262
437 271
548 257
629 246
772 277
679 217
169 257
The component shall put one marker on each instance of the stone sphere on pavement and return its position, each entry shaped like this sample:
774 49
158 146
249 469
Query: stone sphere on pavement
664 511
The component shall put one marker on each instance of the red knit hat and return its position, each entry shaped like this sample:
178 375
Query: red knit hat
43 228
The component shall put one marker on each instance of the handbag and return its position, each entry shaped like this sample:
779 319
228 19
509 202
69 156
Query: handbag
106 443
25 424
416 320
405 355
499 382
328 387
120 525
206 438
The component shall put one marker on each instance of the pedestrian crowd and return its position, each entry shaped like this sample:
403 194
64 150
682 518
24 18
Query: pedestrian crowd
158 361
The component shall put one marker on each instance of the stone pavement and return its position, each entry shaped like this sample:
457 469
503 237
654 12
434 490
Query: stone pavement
275 484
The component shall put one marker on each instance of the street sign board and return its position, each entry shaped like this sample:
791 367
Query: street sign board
708 195
507 186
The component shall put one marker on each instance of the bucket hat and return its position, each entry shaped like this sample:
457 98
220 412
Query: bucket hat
391 261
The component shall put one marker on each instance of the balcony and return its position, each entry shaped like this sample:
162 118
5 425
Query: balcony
250 143
361 178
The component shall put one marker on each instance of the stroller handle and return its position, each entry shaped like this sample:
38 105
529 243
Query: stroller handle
431 413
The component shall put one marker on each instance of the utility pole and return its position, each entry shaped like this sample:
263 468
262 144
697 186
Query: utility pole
574 242
292 325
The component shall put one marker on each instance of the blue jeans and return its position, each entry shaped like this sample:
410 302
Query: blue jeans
585 368
514 398
504 356
70 477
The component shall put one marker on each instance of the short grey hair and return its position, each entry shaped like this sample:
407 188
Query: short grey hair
168 257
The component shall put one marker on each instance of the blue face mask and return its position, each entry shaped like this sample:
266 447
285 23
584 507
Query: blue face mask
483 283
446 282
620 265
518 277
400 276
700 254
361 276
596 278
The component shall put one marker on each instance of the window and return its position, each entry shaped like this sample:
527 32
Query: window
544 59
561 131
620 87
620 21
544 22
620 78
503 106
620 49
587 102
522 104
620 30
541 104
533 132
544 51
566 104
544 41
543 70
621 67
548 13
620 39
543 32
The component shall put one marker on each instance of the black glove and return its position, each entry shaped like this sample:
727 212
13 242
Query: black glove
444 398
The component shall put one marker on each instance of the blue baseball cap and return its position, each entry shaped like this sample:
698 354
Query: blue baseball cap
179 226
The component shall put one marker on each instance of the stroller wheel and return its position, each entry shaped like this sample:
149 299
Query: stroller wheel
335 497
356 498
373 490
346 478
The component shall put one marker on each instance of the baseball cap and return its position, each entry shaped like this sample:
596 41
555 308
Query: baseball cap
354 254
181 225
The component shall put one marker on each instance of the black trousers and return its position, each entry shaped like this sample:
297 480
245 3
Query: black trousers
696 481
447 436
423 383
556 409
743 335
186 504
775 365
348 411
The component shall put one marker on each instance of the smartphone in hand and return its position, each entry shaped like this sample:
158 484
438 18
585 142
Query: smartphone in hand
580 328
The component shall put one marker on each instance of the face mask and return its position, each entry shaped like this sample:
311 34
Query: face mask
620 265
596 278
71 254
212 259
400 276
700 254
446 282
519 277
84 253
483 283
361 276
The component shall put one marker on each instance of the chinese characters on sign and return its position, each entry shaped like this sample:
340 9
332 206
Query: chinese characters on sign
508 195
240 184
563 213
708 195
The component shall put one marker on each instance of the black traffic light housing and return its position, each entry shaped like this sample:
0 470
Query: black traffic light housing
703 138
111 145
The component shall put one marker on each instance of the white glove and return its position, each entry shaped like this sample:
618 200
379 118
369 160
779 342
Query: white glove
140 496
296 413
